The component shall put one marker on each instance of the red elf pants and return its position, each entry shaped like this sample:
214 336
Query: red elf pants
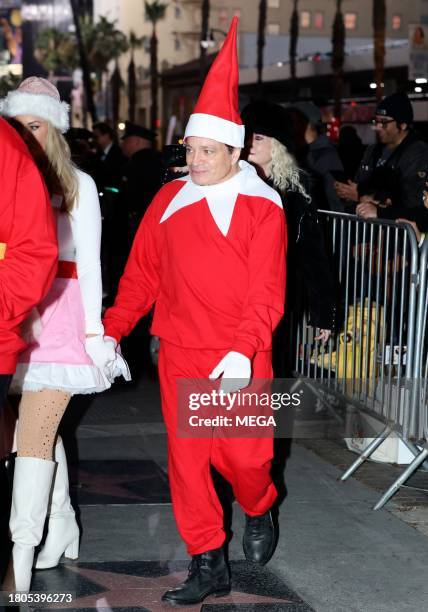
244 462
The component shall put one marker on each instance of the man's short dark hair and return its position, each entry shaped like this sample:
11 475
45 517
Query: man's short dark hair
105 129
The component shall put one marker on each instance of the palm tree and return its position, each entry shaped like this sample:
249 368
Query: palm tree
205 20
261 41
155 11
338 57
379 25
116 84
294 36
103 43
134 43
84 64
56 51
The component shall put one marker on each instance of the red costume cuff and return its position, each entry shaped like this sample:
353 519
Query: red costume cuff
245 348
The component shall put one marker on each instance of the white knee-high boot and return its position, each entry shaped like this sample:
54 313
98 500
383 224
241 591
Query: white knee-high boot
63 531
32 484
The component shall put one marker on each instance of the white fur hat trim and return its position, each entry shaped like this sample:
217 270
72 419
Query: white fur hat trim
41 105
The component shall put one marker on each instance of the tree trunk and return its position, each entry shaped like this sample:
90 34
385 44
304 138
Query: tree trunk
84 63
294 36
105 85
132 89
338 58
116 84
154 79
261 42
379 25
205 19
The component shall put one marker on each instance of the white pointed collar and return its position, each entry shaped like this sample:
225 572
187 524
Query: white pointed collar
245 182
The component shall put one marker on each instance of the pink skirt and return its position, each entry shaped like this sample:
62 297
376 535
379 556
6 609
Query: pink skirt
57 359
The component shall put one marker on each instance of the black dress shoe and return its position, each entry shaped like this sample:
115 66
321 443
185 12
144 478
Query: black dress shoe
208 575
260 538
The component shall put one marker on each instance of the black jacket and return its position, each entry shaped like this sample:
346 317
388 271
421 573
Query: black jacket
310 280
142 178
323 159
111 166
399 182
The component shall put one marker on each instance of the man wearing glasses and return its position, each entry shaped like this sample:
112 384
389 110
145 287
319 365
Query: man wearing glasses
391 179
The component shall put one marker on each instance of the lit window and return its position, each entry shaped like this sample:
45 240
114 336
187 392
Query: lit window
351 21
396 22
273 28
318 20
223 16
273 3
177 12
305 19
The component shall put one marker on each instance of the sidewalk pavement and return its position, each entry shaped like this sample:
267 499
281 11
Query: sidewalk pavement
334 554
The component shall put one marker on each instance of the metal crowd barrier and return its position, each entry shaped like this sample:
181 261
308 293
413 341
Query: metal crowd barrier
419 398
376 360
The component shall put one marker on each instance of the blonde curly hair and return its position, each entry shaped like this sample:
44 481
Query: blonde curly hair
284 170
59 155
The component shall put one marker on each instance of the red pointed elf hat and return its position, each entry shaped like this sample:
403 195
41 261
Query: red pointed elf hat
216 113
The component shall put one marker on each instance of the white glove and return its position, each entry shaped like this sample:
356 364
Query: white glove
119 367
102 351
236 370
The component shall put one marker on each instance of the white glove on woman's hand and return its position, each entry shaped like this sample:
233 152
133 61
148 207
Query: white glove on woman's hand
236 370
102 351
118 367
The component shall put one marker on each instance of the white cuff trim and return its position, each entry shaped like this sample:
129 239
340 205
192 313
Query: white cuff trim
216 128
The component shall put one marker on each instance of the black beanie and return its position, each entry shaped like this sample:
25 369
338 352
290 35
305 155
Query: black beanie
397 106
269 119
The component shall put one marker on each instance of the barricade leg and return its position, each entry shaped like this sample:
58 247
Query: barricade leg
402 479
366 454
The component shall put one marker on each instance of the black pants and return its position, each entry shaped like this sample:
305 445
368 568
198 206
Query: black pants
4 387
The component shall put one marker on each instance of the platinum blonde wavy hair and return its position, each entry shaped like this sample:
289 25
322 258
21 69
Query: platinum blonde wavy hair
284 170
59 155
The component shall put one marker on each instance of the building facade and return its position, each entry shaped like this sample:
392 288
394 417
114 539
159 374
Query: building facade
179 36
178 41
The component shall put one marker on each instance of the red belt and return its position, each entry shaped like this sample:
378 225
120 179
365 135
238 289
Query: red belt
66 269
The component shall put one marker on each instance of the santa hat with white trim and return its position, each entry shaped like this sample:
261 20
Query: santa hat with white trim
39 97
216 113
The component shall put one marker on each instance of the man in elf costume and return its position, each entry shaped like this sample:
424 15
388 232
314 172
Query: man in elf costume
210 253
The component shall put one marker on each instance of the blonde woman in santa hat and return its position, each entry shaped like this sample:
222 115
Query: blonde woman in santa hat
67 353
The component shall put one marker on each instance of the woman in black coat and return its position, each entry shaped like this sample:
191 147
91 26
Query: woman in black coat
309 273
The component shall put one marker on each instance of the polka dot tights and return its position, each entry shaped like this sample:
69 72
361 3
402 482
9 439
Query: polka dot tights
40 413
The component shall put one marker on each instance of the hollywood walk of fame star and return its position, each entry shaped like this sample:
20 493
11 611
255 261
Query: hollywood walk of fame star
112 485
128 591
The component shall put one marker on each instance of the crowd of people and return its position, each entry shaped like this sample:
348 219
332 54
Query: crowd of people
207 249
